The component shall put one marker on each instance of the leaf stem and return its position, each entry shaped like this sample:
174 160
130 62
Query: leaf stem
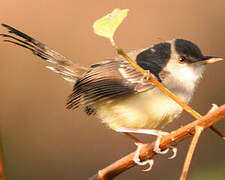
158 84
187 108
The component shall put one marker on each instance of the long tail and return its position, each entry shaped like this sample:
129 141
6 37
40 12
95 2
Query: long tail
62 66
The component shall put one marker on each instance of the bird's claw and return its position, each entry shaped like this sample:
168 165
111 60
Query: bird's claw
139 144
174 149
137 160
157 143
159 151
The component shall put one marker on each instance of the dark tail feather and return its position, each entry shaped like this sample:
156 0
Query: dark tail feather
65 67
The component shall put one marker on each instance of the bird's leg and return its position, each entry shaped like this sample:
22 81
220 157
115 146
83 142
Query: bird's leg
136 140
154 132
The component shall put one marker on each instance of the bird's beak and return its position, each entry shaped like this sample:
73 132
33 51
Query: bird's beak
210 59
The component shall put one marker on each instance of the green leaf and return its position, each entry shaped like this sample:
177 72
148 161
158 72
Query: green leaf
107 25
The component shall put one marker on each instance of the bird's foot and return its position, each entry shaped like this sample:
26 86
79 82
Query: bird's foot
159 151
154 132
137 160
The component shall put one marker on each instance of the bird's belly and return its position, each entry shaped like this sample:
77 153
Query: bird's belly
149 109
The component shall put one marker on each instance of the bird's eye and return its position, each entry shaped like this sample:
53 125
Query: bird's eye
181 59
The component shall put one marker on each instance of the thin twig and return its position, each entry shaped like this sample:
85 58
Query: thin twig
2 177
218 132
165 90
159 85
167 141
1 167
198 131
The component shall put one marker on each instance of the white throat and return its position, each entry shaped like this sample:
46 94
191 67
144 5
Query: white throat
184 79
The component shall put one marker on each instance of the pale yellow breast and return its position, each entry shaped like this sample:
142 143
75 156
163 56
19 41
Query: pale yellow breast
152 108
149 109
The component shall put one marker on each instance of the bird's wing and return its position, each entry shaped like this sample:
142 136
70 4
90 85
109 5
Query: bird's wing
62 65
107 82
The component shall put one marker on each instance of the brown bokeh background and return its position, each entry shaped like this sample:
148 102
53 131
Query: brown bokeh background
43 140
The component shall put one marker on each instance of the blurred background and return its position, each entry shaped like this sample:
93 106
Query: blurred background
43 140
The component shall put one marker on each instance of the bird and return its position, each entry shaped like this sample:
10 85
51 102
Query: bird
119 94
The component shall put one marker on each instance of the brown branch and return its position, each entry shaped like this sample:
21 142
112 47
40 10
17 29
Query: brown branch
1 167
2 177
218 132
167 141
198 132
